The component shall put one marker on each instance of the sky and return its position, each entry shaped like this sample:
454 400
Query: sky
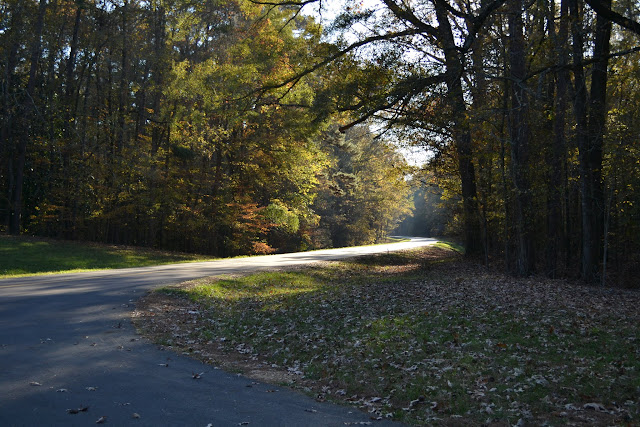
416 156
330 8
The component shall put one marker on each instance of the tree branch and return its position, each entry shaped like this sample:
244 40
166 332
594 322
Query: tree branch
602 10
284 3
339 54
402 92
478 21
407 15
585 62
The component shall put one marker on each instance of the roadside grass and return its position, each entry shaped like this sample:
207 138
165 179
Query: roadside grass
449 245
393 239
26 256
425 337
21 256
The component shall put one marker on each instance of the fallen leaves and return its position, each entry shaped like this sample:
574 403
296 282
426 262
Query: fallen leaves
446 341
77 410
594 407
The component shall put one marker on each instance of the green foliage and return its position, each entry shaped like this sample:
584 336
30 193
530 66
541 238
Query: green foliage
282 217
364 195
199 127
159 131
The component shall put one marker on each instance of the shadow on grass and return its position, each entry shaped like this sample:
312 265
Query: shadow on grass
437 348
25 256
326 279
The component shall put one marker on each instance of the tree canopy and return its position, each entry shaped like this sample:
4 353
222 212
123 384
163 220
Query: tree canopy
515 99
148 123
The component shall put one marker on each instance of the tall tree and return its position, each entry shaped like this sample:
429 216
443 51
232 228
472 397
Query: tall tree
593 205
590 114
25 123
461 130
520 144
557 154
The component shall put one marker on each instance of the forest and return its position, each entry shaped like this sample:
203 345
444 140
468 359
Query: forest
145 123
252 126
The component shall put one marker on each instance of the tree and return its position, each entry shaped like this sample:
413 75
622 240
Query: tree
407 31
19 129
363 195
520 144
557 155
212 126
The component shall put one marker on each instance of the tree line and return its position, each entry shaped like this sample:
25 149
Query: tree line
146 123
530 111
242 126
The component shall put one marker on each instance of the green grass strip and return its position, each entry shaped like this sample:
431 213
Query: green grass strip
22 256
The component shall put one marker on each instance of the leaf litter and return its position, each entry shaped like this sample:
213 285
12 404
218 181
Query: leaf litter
77 410
423 336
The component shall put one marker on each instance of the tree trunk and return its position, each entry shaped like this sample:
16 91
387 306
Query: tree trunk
591 158
479 105
123 91
520 141
589 134
461 131
70 192
7 128
558 148
580 111
26 124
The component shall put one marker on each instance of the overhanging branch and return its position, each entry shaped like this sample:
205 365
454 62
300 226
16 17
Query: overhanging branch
339 54
604 11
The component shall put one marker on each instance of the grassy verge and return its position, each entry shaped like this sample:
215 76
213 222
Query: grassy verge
443 244
393 239
20 256
422 337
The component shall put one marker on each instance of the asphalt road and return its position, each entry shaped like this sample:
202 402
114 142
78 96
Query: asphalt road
66 342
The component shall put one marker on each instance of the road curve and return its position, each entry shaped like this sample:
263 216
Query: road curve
66 343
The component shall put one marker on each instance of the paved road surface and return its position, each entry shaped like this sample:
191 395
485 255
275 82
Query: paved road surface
66 342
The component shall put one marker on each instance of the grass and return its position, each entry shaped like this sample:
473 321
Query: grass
26 256
393 239
22 256
426 338
450 245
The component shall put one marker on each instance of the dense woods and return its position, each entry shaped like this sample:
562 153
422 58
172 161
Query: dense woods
250 126
529 111
145 123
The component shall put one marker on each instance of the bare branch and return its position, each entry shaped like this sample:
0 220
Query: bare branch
454 11
407 15
604 11
478 21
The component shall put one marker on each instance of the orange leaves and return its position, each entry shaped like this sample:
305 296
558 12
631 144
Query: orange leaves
260 248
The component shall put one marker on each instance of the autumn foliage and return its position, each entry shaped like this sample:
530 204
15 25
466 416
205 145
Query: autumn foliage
145 123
